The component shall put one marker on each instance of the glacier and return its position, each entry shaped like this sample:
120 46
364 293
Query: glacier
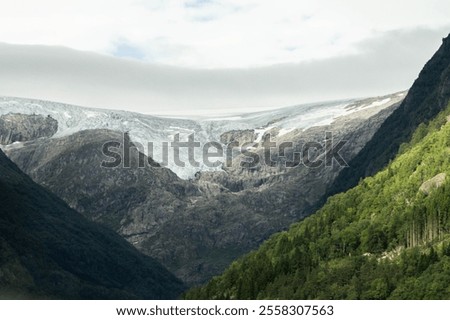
143 128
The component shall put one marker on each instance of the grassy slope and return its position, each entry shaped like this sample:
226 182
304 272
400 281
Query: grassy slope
382 239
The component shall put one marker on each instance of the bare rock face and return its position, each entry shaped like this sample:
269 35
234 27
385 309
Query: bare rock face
238 136
15 127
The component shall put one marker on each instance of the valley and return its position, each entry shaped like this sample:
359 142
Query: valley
194 220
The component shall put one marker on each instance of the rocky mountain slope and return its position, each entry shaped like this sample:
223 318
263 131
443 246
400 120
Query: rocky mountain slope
48 250
196 227
71 167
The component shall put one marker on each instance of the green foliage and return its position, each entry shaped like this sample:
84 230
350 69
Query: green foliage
384 239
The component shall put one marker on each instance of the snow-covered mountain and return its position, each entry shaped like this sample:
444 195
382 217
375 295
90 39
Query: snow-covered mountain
146 128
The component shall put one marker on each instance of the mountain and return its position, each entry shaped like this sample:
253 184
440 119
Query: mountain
427 97
195 226
106 195
387 238
48 250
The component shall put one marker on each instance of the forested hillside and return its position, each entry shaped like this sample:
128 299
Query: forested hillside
387 238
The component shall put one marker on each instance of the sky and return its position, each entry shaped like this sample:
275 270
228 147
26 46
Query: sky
197 56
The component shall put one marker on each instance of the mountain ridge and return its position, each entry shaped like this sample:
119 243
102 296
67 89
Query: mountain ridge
428 96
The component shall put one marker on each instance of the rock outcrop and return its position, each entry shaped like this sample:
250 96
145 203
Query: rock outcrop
15 127
433 183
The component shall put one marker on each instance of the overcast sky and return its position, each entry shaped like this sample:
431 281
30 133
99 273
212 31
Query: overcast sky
194 56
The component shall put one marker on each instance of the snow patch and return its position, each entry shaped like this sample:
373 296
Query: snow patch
284 131
379 103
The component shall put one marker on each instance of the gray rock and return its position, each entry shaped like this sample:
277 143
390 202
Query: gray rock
15 127
433 183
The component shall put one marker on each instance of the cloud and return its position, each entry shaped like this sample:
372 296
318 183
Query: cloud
384 63
216 33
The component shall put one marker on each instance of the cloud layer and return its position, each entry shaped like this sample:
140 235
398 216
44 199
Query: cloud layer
382 64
